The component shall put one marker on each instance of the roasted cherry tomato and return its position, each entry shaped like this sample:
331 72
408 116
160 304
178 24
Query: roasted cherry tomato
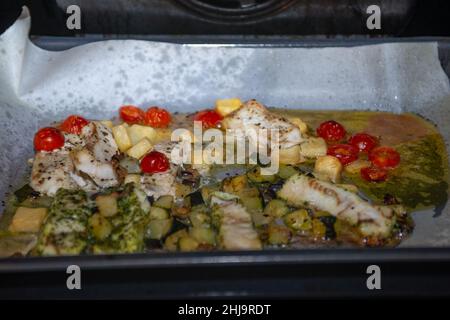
363 141
157 117
48 139
374 174
73 124
346 153
331 131
131 114
209 118
154 162
384 157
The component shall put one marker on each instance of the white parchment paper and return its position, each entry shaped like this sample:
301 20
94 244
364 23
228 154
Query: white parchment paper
38 86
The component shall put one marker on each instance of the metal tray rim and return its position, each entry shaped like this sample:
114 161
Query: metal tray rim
227 258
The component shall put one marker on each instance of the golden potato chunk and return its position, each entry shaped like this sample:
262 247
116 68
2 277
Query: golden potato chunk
226 106
137 132
28 219
107 205
122 138
328 168
140 149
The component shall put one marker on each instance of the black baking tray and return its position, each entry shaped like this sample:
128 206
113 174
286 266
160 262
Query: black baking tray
265 274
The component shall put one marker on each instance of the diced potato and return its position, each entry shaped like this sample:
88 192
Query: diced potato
171 242
187 244
132 178
100 226
290 155
140 149
226 106
120 134
107 205
157 229
298 220
356 166
313 148
300 124
260 219
328 168
107 123
235 184
203 235
276 208
28 219
157 213
278 234
165 202
137 132
162 134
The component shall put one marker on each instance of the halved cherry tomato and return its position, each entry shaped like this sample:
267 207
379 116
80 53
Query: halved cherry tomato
374 174
384 157
48 139
157 117
363 141
331 131
209 118
154 162
346 153
131 114
73 124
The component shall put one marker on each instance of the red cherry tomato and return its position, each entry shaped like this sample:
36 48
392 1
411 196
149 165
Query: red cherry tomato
157 117
73 124
331 131
131 114
384 157
374 174
363 141
346 153
154 162
48 139
209 118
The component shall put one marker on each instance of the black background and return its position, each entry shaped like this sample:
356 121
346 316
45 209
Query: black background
430 18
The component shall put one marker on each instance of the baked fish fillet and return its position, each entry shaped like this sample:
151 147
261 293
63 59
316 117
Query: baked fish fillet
236 231
96 159
253 115
302 191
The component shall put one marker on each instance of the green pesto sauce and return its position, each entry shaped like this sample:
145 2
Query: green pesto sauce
422 178
420 181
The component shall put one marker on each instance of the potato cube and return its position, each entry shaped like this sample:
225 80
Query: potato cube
100 226
290 155
107 123
328 168
226 106
120 134
140 149
313 148
300 124
28 219
137 132
107 205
